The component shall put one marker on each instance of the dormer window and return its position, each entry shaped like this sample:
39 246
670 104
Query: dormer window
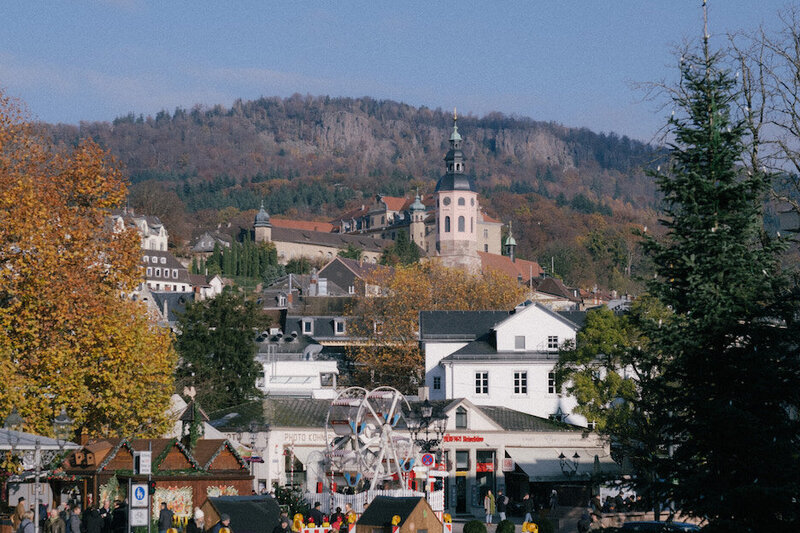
175 273
377 327
519 342
163 260
154 259
461 418
308 326
339 326
147 259
282 300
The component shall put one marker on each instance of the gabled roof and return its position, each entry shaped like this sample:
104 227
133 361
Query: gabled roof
307 225
361 269
529 306
333 240
206 450
511 420
396 203
380 511
519 269
276 412
556 287
487 218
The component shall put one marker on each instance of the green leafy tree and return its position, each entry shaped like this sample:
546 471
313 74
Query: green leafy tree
352 252
401 252
217 350
729 390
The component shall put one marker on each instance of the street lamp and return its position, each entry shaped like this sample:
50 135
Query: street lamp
426 421
568 468
14 421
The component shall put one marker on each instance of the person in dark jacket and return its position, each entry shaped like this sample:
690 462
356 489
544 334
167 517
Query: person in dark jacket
119 520
316 515
164 518
282 527
502 502
105 513
224 521
94 522
529 506
198 523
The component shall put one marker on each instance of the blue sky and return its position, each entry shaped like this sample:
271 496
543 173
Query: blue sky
573 62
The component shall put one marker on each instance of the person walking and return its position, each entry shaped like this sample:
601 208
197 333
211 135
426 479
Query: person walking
502 503
19 514
553 499
54 523
224 522
489 505
529 506
164 518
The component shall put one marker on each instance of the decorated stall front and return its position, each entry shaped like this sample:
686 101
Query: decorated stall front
183 478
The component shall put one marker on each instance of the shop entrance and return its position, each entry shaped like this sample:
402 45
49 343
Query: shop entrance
461 492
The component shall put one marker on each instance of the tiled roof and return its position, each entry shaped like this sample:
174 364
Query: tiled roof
308 225
176 303
515 269
457 325
487 218
276 412
556 287
396 203
333 240
361 269
511 420
166 262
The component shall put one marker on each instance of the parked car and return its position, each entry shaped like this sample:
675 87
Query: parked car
651 526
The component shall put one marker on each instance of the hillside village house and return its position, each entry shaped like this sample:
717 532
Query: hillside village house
498 358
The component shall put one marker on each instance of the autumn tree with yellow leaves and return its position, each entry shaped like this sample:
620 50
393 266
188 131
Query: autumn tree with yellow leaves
386 351
71 338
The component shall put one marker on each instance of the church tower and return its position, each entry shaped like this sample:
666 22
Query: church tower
263 228
457 210
416 228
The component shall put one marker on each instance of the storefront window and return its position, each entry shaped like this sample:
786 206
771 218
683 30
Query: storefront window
462 460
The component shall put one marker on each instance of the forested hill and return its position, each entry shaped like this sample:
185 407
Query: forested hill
316 156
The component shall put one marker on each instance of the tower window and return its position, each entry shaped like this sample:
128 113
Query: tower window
462 201
461 224
471 225
486 234
447 224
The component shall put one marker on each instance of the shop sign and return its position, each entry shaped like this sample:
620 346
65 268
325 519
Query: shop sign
508 464
462 438
484 467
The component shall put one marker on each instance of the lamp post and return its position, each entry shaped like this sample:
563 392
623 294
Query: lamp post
568 467
427 429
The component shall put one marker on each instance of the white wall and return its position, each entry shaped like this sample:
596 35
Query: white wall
536 325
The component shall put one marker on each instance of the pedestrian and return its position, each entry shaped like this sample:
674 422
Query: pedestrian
164 518
553 499
528 506
224 522
315 514
119 518
198 522
502 504
282 527
74 524
54 523
105 514
26 523
42 514
94 522
19 513
489 506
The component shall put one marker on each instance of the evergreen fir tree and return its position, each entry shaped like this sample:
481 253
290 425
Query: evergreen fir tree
729 389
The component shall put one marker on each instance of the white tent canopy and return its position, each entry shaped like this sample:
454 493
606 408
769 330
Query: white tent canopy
19 440
543 464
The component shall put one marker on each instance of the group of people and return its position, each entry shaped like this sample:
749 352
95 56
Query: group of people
500 505
67 518
337 522
618 504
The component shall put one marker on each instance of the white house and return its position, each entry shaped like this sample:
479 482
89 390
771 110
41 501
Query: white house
498 358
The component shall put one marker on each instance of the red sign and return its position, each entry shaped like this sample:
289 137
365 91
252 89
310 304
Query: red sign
508 464
461 438
484 467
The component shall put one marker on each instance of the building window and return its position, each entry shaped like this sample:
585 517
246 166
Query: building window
461 201
485 247
471 225
447 224
486 234
462 459
154 259
149 271
551 383
351 289
591 424
461 418
339 327
437 383
147 259
520 383
482 382
519 342
281 300
327 379
158 272
163 260
552 342
461 224
377 327
308 326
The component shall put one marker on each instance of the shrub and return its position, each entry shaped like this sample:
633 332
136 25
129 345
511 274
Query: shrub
474 526
506 526
545 525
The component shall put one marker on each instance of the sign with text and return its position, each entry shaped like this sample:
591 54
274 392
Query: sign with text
143 463
508 464
462 438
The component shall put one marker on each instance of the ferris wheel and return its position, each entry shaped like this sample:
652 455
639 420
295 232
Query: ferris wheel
363 449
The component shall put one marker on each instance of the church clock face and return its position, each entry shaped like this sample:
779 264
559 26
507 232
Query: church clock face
446 200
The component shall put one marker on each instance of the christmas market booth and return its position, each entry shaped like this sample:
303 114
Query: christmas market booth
183 478
249 514
388 514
